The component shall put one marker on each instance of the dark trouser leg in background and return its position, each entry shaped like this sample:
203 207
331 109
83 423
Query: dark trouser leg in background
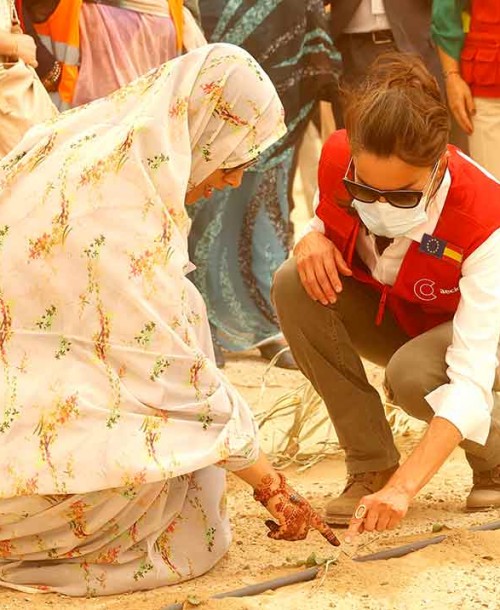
358 54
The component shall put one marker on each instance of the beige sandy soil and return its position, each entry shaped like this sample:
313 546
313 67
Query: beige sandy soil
461 573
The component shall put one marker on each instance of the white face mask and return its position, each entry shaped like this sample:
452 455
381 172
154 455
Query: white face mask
386 220
382 218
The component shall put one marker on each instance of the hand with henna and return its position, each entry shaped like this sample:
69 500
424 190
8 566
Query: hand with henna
294 514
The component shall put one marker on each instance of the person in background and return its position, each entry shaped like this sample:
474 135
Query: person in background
471 65
193 7
364 29
105 44
401 266
24 100
240 239
49 69
14 44
117 427
27 41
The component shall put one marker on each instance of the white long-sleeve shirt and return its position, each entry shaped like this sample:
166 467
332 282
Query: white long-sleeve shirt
472 358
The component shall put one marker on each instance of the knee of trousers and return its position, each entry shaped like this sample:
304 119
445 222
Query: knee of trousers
287 293
407 383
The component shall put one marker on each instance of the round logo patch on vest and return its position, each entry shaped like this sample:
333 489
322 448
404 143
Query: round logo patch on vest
424 290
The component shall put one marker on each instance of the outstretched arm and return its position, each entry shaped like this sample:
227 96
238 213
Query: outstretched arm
463 406
294 514
386 508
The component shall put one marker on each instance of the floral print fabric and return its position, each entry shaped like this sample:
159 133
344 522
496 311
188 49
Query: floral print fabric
114 419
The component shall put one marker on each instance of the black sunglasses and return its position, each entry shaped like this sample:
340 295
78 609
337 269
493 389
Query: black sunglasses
406 199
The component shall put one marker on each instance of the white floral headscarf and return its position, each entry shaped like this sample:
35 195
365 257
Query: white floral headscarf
105 355
211 108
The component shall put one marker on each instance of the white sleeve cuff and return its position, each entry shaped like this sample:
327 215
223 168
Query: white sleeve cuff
315 224
465 407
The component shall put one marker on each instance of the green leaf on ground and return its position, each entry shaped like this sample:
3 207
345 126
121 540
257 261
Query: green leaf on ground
193 600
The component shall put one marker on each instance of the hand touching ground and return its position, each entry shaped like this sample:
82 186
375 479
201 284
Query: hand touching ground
294 515
378 512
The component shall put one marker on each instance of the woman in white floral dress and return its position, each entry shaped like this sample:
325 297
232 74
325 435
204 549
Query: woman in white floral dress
116 427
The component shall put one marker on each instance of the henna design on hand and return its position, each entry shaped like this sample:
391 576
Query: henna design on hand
294 513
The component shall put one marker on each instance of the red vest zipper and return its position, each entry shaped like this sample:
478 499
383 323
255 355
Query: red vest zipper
381 306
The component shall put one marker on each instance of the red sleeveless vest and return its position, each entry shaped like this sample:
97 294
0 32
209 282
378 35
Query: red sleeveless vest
426 292
480 62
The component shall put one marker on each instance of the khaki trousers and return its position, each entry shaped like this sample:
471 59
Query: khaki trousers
484 142
328 342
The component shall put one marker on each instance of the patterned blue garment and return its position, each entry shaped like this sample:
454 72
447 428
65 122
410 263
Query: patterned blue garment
240 237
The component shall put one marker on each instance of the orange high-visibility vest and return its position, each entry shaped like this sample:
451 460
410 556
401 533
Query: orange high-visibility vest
175 8
61 35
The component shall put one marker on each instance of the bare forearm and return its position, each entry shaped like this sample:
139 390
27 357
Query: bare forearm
448 63
294 515
440 439
254 474
458 92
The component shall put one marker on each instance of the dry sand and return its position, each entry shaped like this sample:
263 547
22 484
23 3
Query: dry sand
461 573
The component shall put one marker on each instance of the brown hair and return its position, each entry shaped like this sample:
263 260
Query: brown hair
398 110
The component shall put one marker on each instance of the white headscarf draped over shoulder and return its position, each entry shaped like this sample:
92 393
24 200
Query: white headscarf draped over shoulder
212 108
106 372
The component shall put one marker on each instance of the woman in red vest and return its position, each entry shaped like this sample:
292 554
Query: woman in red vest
401 266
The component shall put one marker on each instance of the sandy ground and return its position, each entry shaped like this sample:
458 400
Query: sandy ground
461 573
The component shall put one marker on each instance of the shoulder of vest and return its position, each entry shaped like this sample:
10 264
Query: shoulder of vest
336 146
472 191
472 209
333 165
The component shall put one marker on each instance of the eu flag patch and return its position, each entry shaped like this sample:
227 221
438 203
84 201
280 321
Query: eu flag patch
440 248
